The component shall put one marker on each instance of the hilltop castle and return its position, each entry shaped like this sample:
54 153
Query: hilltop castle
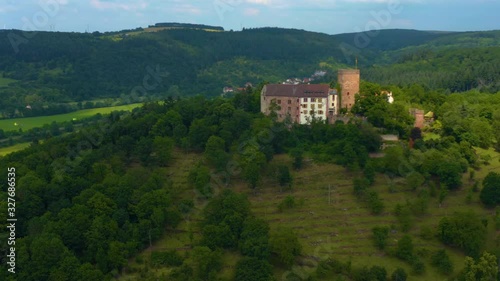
302 102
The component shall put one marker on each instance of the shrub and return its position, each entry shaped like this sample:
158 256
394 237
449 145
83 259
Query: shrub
380 235
399 275
418 266
404 248
442 262
375 203
169 258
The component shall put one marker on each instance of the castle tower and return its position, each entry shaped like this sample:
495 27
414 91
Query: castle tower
348 80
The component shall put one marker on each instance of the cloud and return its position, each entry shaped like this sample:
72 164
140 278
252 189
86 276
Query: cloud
110 5
251 12
187 9
259 2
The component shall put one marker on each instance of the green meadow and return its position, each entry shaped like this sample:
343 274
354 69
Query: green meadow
20 146
33 122
4 82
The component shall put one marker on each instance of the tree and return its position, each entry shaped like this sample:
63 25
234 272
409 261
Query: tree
162 150
253 269
369 172
378 273
206 262
215 153
360 186
297 154
463 230
252 175
415 133
284 177
199 178
414 180
399 275
375 203
404 249
442 262
490 194
254 239
380 235
285 245
486 269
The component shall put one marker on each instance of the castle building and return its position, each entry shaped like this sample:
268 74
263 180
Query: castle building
348 80
303 102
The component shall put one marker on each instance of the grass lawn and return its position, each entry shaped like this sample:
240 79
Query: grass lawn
33 122
331 224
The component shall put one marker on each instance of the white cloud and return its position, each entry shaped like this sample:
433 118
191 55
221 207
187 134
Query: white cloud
108 5
187 9
251 12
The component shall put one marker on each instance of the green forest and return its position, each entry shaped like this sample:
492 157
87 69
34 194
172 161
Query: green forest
97 204
57 72
195 185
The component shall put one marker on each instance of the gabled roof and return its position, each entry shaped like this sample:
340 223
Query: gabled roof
300 90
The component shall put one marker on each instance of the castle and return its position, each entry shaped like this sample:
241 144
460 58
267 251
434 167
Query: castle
303 102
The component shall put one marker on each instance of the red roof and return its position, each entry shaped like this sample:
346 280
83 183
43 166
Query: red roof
300 90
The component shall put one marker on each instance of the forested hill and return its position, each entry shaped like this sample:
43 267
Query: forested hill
46 68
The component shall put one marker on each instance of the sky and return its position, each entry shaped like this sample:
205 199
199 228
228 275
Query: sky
326 16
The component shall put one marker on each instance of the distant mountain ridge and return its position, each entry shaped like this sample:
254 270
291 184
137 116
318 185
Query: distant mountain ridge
61 67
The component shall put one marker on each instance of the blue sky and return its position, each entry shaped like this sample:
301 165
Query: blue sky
328 16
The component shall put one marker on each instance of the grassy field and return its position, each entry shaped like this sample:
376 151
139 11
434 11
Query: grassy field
20 146
332 224
4 82
33 122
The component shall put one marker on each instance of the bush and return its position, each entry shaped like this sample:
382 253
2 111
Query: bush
378 273
287 203
426 233
404 248
170 258
360 186
490 194
399 275
418 266
442 262
380 235
375 203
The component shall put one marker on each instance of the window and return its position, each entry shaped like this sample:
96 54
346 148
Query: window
304 106
297 108
305 99
312 106
320 112
298 100
279 101
320 105
333 104
313 99
289 101
347 93
289 109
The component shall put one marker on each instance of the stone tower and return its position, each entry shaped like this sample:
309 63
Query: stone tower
348 80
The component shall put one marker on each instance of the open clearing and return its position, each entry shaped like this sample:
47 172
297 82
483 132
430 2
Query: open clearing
20 146
33 122
329 224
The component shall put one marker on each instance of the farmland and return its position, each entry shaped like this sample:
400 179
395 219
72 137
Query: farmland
33 122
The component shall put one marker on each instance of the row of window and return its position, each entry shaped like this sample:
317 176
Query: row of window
305 111
304 99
